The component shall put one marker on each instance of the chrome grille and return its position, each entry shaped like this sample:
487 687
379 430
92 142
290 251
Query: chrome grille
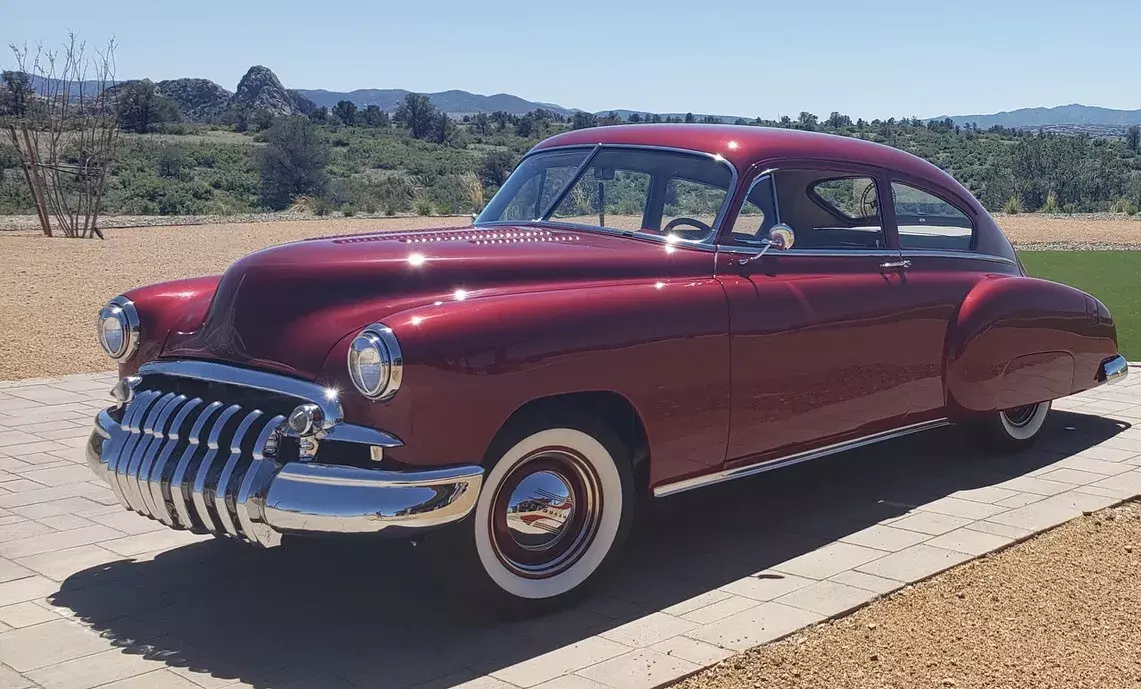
192 463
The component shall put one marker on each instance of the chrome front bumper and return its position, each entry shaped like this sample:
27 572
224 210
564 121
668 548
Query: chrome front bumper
242 493
1114 370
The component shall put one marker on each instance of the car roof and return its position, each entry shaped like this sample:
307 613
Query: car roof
744 146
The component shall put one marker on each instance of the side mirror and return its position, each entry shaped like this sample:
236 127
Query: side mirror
780 237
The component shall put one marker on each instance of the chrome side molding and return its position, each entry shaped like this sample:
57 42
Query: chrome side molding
780 462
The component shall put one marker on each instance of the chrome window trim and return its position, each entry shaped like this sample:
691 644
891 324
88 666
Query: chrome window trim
327 398
938 253
545 221
815 253
789 460
769 173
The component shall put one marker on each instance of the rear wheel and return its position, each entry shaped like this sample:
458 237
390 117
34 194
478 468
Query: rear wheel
1012 430
555 506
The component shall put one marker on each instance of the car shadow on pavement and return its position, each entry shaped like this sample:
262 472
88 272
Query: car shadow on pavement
384 616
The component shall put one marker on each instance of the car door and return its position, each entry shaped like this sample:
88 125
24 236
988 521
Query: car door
818 331
936 235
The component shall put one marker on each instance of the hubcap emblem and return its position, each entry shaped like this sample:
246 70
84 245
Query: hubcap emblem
539 509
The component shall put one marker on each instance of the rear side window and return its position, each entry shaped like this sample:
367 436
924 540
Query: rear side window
928 222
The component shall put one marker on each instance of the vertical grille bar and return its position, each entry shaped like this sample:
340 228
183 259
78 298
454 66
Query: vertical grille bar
179 485
132 424
132 464
138 479
155 483
257 473
199 489
228 470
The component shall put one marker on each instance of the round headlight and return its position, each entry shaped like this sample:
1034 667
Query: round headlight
118 328
376 364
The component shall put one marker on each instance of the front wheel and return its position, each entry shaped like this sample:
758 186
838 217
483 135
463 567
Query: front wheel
555 506
1013 430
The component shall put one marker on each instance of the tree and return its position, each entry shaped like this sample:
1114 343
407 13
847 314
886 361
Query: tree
689 118
444 128
418 113
1133 138
495 168
807 121
373 116
320 115
346 112
139 107
481 124
16 93
293 162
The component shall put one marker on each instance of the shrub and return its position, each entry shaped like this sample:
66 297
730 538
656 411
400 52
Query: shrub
172 164
1013 206
321 207
370 207
348 211
1051 205
422 206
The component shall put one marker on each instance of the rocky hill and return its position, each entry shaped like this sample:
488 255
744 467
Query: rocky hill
260 89
199 100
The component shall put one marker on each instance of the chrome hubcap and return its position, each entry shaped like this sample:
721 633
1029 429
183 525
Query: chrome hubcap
539 510
546 513
1020 416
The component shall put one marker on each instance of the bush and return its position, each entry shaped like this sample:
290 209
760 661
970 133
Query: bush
423 206
172 164
1051 205
321 207
293 163
1013 206
348 211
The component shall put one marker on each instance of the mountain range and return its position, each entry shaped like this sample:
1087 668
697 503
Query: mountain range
203 100
1073 115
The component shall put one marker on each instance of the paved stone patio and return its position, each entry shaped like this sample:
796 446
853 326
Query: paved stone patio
91 595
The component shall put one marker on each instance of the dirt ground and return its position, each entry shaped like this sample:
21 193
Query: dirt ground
52 288
1060 610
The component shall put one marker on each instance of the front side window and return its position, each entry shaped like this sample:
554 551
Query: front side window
618 188
928 222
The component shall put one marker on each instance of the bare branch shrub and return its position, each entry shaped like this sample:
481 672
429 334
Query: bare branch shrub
64 130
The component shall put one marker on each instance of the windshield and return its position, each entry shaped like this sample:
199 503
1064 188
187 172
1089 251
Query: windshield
629 189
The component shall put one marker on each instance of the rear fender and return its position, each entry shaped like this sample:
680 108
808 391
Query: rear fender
1020 340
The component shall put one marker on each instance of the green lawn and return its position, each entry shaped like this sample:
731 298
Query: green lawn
1114 277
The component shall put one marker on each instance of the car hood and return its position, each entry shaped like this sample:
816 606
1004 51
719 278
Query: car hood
285 307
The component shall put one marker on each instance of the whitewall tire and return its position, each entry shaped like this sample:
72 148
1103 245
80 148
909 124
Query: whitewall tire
554 508
1011 430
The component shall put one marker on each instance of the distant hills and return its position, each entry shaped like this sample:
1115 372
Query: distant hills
454 101
204 100
1072 116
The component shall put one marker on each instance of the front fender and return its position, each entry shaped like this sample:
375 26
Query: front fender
166 307
1019 340
469 365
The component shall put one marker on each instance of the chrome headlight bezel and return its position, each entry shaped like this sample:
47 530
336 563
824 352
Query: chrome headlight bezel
122 311
380 338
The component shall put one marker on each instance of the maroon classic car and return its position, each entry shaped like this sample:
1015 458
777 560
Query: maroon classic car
639 311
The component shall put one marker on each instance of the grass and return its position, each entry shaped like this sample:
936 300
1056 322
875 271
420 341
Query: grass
1114 277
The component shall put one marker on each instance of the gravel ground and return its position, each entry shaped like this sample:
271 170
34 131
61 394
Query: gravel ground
1060 610
52 288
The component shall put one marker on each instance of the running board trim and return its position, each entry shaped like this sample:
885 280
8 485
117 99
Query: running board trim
781 462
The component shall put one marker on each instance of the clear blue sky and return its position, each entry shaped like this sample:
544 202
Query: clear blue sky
742 57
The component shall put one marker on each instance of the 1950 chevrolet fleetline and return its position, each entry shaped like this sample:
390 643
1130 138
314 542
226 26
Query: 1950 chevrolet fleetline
639 311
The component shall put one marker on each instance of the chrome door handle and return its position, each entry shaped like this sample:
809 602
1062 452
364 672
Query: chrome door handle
895 265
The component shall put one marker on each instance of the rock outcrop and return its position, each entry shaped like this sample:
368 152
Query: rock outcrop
260 89
200 100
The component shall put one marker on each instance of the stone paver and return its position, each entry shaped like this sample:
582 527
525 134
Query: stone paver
94 596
